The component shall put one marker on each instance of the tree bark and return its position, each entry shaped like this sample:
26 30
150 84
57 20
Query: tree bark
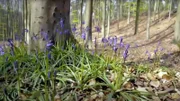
129 12
104 18
89 10
137 16
149 19
177 26
109 14
50 17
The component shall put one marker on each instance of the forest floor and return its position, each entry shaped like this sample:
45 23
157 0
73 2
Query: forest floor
161 32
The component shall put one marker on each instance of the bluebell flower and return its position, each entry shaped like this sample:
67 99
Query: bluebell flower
83 22
149 55
10 42
62 23
66 31
125 53
115 49
1 51
115 41
49 44
98 29
155 51
104 40
49 55
83 36
74 29
25 30
44 35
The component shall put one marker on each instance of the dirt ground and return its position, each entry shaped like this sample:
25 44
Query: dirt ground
161 33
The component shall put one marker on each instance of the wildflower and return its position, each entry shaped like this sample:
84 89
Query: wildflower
25 30
61 23
44 35
125 53
115 49
149 55
98 29
49 55
155 51
1 51
83 36
83 22
74 28
104 40
121 42
115 41
49 44
10 43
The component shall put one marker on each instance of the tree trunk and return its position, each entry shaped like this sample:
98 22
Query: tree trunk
129 12
49 17
177 26
104 18
109 14
137 16
149 19
88 25
170 8
81 16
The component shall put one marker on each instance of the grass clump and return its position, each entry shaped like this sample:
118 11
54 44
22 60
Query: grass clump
71 73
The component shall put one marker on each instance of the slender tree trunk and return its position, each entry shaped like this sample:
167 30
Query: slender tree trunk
104 18
129 12
177 26
170 8
137 16
121 9
81 15
89 11
109 14
149 19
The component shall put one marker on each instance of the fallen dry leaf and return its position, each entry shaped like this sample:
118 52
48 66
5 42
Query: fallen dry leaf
175 96
155 83
151 76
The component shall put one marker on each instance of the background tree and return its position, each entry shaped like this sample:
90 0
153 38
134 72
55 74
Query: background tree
88 25
137 16
149 19
177 26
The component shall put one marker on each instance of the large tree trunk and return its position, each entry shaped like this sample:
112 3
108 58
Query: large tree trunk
49 17
177 26
89 10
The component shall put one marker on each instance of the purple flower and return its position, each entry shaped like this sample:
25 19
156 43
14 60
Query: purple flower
104 40
83 22
44 35
10 42
115 41
115 49
1 51
61 23
49 44
155 51
83 36
25 30
149 55
74 28
49 55
127 46
98 29
125 53
66 31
